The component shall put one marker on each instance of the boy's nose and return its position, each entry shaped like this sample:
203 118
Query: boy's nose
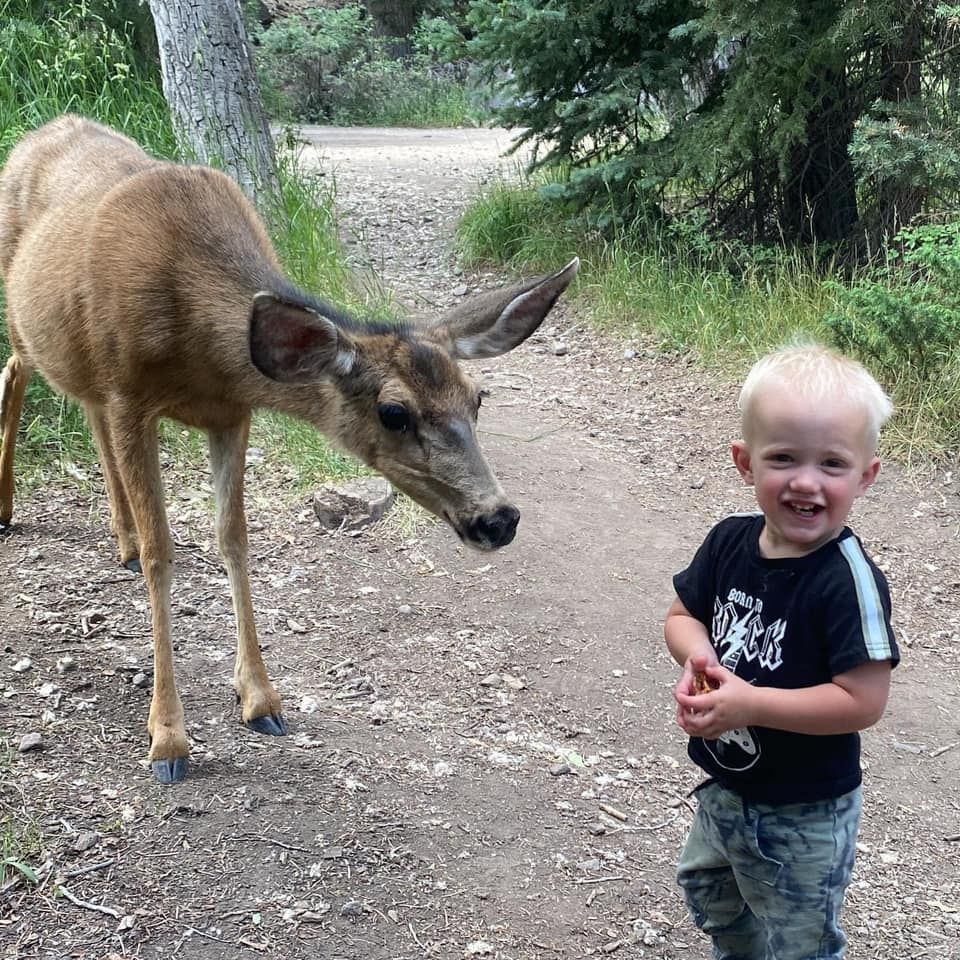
804 479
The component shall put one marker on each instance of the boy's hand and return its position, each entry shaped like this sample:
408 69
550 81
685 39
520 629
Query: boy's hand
724 708
687 684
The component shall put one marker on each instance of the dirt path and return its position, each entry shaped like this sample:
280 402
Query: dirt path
463 724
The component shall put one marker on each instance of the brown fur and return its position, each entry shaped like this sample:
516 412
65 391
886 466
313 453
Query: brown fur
147 289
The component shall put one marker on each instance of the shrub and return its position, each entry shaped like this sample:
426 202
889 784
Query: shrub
903 321
906 316
327 66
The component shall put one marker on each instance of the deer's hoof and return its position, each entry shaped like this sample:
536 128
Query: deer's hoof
270 725
133 564
169 771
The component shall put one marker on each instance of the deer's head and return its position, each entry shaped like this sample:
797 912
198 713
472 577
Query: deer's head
404 406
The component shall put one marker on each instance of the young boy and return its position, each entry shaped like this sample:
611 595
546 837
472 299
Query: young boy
787 619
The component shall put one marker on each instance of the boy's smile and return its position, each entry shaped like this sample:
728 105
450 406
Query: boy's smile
808 464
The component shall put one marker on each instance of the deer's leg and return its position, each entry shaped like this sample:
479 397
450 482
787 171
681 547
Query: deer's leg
13 385
138 465
260 702
122 523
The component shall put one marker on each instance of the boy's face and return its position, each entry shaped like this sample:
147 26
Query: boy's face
808 463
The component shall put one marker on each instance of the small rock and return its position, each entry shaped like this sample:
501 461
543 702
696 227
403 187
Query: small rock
596 828
354 504
47 690
85 841
461 291
492 680
560 769
352 908
478 948
22 665
66 664
560 350
30 741
629 354
405 610
697 483
140 680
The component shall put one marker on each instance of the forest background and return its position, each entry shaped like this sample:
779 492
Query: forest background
732 174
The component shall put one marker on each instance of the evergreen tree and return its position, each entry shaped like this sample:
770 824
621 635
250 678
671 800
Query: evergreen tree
819 120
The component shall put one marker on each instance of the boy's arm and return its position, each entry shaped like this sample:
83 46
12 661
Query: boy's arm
686 636
852 701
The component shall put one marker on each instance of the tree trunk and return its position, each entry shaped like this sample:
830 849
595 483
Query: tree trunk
395 19
820 198
211 85
897 203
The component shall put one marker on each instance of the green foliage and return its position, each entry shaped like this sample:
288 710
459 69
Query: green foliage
328 66
728 301
903 319
75 58
20 839
298 56
520 225
747 111
905 315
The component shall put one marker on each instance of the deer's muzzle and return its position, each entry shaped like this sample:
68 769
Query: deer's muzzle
492 530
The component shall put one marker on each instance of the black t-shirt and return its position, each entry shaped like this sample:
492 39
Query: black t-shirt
787 623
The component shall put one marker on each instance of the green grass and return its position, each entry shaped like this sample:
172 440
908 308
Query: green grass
21 840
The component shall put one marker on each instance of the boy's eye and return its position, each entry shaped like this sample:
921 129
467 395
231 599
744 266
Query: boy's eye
834 464
780 458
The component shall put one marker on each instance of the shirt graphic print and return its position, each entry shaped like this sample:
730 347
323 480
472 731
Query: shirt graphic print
740 633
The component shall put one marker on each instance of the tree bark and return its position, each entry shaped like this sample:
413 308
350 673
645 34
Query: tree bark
820 190
897 203
211 85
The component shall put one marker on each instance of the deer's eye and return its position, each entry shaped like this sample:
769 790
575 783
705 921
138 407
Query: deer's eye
394 417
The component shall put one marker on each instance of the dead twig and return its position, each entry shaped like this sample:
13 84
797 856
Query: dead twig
944 749
87 905
614 812
250 838
80 871
584 880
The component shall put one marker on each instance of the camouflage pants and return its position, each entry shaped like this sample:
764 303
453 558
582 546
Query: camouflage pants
767 881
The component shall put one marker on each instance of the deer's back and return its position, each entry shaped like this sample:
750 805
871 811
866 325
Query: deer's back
128 276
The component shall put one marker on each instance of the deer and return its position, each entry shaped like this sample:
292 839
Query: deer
145 289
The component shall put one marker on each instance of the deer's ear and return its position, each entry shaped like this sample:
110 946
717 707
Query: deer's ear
495 322
293 344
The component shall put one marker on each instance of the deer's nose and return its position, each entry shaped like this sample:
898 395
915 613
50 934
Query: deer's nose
495 529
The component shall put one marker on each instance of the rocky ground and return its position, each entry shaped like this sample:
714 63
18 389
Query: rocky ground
483 760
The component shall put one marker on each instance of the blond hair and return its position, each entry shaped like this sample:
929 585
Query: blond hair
817 374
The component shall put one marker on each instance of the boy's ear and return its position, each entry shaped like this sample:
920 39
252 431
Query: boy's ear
868 476
741 459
